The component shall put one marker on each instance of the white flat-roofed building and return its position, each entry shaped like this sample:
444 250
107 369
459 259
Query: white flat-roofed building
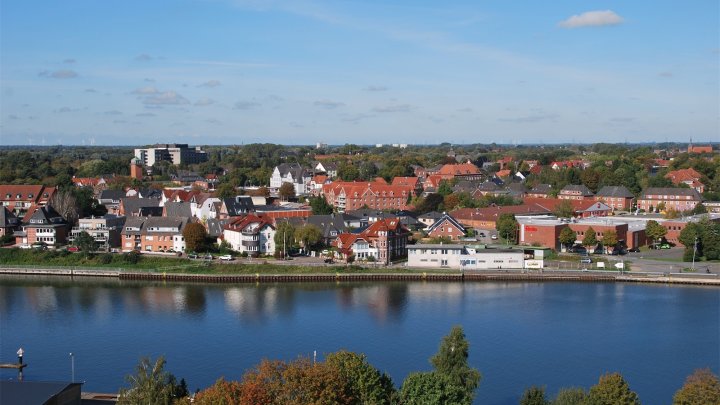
464 257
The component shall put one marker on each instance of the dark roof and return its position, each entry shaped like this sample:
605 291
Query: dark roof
431 215
215 226
446 218
150 211
132 205
516 188
580 188
488 186
150 193
7 218
34 392
133 222
177 209
672 191
295 169
239 205
114 195
614 191
541 189
165 222
187 177
328 224
46 216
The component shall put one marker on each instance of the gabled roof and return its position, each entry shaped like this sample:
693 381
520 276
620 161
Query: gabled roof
683 175
386 225
238 224
177 209
446 219
176 223
26 193
431 215
132 205
576 189
614 191
7 218
691 192
215 226
405 181
541 189
114 195
150 211
294 169
150 193
45 216
459 169
134 222
238 205
327 224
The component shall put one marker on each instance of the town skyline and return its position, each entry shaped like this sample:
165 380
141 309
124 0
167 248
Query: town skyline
232 72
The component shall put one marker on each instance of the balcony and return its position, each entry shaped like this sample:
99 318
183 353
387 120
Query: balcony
251 243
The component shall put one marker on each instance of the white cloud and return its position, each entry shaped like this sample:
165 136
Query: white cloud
59 74
246 105
592 19
211 83
394 108
166 98
329 104
145 91
204 101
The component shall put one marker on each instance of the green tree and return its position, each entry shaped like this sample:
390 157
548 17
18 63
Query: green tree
567 236
701 388
611 389
368 385
309 236
564 209
195 235
710 235
570 396
320 206
284 238
286 191
507 227
534 396
654 231
432 202
445 188
86 243
452 360
348 172
432 388
225 190
590 238
610 239
151 384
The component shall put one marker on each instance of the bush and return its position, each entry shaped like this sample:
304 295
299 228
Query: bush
105 258
7 239
131 257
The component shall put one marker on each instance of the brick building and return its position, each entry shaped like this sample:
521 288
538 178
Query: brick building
616 197
43 225
446 227
349 196
20 198
386 239
575 192
679 199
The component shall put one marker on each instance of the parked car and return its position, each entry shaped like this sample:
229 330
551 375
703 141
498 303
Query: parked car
578 249
208 257
481 234
226 258
634 250
494 237
73 249
192 256
328 260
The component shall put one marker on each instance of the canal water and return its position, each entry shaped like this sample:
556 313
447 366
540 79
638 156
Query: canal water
551 334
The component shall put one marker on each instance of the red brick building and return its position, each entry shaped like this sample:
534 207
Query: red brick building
349 196
678 199
20 198
446 227
616 197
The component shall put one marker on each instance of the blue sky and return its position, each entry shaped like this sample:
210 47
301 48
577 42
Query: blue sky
300 72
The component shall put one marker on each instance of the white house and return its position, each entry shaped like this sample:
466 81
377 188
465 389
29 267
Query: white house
251 234
464 257
204 207
291 173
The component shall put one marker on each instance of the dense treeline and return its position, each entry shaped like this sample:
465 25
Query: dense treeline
611 164
347 378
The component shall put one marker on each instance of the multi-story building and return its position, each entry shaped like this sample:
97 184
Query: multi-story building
446 227
105 230
385 240
43 225
678 199
176 153
132 233
8 222
163 234
251 234
686 176
291 173
464 257
350 196
575 192
20 198
616 197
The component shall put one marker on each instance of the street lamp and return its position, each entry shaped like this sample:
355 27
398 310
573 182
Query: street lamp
694 251
72 367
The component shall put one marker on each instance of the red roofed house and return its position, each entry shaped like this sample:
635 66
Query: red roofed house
503 173
317 183
446 227
42 224
505 162
686 176
385 240
349 196
461 171
19 198
252 234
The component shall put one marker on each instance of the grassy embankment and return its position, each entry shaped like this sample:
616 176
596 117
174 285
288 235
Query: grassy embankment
134 262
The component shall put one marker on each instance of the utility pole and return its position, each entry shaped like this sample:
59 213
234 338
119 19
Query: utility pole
694 252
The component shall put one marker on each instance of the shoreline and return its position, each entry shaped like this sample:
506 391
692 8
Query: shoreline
418 275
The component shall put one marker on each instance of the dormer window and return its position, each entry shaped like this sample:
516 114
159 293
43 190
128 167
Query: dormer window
18 196
30 196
